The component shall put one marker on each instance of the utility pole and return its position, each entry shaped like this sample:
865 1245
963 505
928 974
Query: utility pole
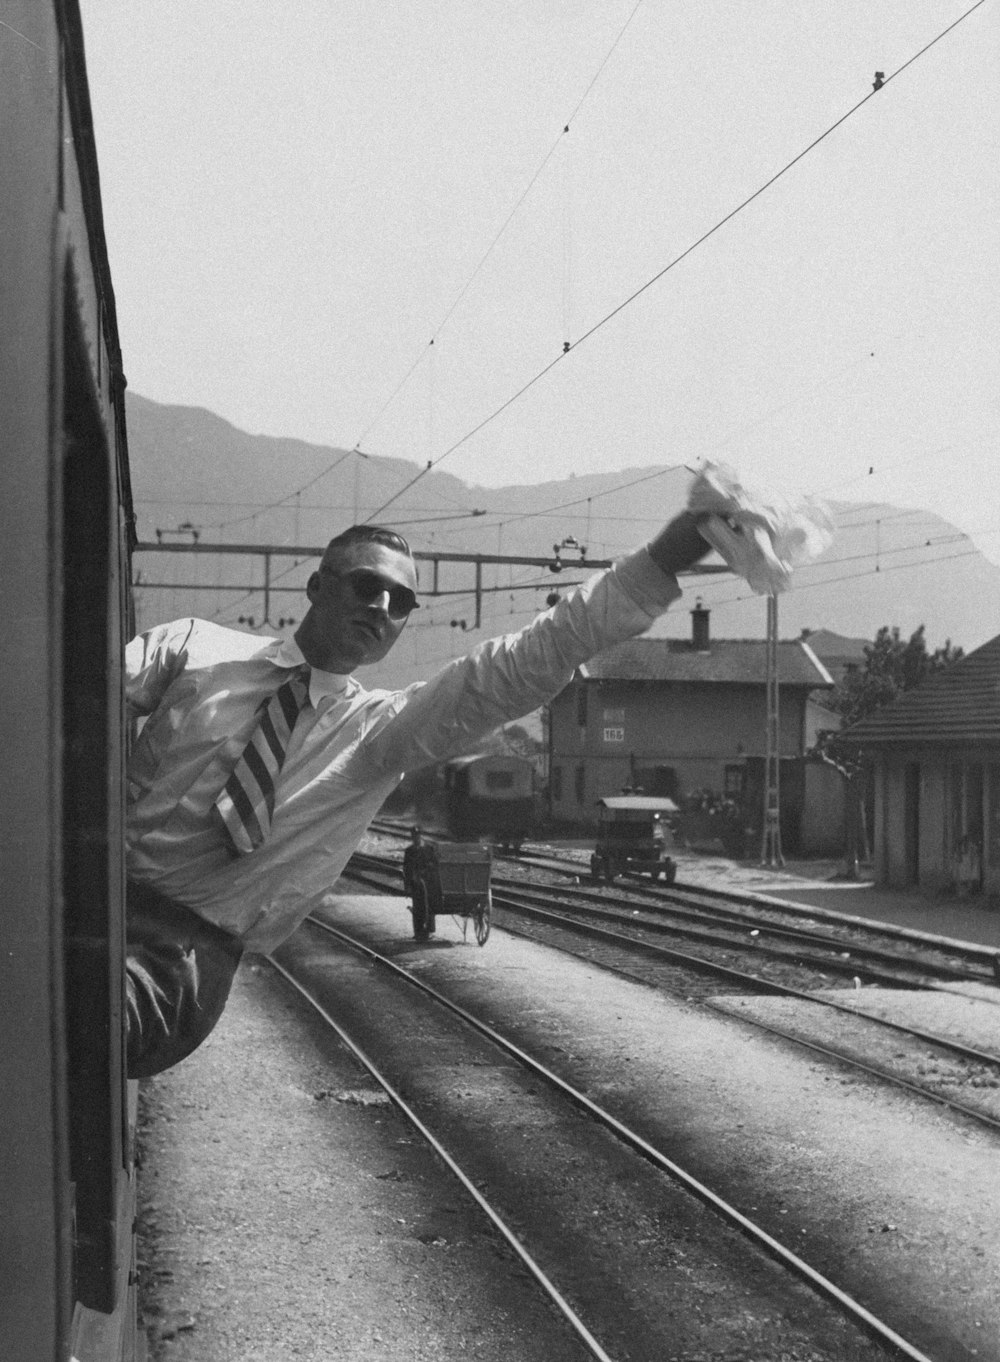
770 846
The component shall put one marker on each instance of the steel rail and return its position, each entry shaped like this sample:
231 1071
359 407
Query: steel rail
682 902
729 1213
707 966
786 991
553 1293
838 964
750 900
740 977
706 934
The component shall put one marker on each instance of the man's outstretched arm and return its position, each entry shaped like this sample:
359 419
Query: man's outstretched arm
504 678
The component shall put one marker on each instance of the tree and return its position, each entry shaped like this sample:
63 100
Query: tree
891 667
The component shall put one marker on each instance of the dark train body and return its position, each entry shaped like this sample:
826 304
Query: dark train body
67 1279
490 797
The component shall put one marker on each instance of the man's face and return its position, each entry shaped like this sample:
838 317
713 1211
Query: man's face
352 622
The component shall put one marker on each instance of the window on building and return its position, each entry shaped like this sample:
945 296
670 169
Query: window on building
581 705
557 786
732 781
581 784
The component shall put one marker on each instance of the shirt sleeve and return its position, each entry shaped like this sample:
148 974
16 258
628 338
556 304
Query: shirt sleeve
505 678
152 661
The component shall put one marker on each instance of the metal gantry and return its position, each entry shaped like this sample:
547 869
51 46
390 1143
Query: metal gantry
269 588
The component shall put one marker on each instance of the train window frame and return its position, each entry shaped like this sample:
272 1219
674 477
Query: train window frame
92 825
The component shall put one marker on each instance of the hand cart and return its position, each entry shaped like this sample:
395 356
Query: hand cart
452 878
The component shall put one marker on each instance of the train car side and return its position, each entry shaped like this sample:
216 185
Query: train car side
491 797
67 1194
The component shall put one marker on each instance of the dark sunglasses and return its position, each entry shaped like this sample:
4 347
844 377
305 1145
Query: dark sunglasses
368 586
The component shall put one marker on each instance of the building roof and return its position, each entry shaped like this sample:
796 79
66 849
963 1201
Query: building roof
960 704
727 661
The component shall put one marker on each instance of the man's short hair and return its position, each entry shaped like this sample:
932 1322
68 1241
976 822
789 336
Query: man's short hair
366 534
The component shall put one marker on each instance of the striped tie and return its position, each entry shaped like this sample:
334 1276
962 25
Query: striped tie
246 804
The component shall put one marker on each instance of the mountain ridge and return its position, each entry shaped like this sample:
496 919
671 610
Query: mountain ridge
888 564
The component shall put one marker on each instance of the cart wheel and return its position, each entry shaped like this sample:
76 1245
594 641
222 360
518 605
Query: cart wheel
481 922
423 919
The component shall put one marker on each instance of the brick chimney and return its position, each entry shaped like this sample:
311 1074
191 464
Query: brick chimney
699 628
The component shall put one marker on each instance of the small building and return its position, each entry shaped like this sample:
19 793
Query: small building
676 716
935 758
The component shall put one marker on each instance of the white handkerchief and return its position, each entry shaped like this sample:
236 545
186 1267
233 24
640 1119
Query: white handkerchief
762 536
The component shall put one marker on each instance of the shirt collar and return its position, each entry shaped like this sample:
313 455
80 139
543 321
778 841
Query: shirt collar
287 653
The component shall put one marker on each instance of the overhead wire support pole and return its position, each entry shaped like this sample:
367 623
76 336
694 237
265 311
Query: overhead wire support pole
770 846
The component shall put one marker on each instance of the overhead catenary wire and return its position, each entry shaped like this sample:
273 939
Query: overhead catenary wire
801 586
331 467
926 560
356 449
673 263
506 520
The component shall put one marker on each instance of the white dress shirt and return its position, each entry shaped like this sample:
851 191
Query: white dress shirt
200 685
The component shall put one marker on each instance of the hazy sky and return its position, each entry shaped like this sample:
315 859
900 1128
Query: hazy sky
299 198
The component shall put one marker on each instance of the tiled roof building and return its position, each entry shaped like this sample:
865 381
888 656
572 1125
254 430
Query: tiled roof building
960 704
738 662
935 754
676 716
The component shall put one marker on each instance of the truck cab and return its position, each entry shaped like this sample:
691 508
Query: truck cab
632 835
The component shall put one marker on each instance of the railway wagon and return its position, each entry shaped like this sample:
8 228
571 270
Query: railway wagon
67 1205
490 797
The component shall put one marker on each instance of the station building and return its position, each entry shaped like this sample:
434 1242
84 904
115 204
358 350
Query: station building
675 716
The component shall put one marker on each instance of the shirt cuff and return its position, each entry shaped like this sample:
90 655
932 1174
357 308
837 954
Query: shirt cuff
652 589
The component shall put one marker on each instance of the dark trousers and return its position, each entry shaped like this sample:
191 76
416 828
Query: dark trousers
178 973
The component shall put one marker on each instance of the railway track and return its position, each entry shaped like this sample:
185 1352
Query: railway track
508 1128
771 927
934 1066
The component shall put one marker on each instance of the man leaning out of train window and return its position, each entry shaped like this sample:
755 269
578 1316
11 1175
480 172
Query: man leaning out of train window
261 761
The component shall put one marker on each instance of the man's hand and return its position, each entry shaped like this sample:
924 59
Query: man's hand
678 545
